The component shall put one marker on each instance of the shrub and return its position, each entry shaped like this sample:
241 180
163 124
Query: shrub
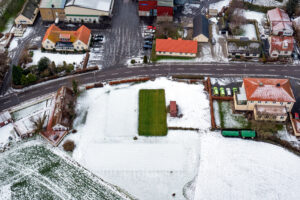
69 68
31 54
69 145
17 74
43 64
145 59
135 138
132 61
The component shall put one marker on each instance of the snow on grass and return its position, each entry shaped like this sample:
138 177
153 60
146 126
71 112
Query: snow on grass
33 171
107 122
189 8
243 169
57 57
219 5
249 31
258 16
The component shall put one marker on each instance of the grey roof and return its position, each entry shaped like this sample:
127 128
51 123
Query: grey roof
29 8
166 3
243 47
200 24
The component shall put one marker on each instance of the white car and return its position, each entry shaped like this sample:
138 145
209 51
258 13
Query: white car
228 91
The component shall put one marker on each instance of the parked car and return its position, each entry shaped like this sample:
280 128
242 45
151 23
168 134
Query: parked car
98 38
296 115
151 27
147 46
148 38
216 91
234 90
228 91
148 42
222 91
295 56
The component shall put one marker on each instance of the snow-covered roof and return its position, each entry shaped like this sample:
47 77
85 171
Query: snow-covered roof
265 89
104 5
279 43
4 117
241 96
52 3
278 15
297 21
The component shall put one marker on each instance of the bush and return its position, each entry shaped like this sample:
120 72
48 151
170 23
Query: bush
132 61
69 145
31 54
43 64
69 68
145 59
17 74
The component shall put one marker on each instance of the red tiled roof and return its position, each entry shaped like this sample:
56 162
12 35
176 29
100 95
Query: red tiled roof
265 89
278 15
278 43
53 33
178 46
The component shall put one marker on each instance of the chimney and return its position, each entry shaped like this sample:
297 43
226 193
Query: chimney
261 84
52 5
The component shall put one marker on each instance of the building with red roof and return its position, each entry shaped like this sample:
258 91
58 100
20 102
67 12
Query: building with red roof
280 23
163 9
269 99
181 48
281 46
173 109
61 40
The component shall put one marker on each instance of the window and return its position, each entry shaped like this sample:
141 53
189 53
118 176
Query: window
281 117
286 52
254 54
48 42
259 101
82 48
289 103
274 102
274 117
266 102
251 101
267 116
281 103
233 54
46 46
79 42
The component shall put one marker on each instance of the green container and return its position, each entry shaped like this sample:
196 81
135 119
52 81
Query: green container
230 133
248 134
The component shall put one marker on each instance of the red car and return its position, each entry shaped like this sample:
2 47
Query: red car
296 116
151 27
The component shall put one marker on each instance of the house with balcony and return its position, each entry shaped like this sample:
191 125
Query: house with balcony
176 48
281 46
268 99
280 23
60 40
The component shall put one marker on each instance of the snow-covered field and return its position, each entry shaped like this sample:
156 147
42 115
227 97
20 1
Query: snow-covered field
242 169
157 167
58 58
219 5
145 166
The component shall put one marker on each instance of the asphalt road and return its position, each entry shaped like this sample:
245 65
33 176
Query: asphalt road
216 70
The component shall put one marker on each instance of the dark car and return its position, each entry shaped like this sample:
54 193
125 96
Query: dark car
146 46
148 42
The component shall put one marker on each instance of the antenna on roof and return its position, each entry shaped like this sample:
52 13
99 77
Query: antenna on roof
52 5
261 84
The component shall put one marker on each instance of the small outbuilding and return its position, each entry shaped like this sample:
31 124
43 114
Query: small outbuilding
28 13
173 109
5 118
200 29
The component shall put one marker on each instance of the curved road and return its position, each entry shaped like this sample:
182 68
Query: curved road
242 69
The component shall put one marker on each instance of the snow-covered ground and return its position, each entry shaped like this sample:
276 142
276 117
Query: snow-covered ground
145 166
58 58
269 2
15 40
6 132
219 5
242 169
249 31
258 16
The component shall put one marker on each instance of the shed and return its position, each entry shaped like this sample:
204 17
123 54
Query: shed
200 29
5 118
173 109
230 133
213 12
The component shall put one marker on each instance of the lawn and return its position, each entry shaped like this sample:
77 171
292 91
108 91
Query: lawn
35 172
226 119
152 113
